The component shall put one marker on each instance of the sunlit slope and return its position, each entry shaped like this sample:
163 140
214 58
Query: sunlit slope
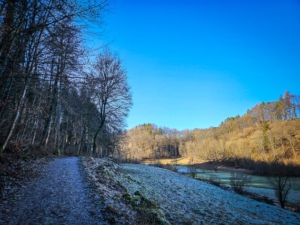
236 140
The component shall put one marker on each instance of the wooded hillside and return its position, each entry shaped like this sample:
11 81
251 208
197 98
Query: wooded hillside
54 89
267 132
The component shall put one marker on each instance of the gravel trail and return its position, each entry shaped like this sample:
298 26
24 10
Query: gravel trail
188 201
60 195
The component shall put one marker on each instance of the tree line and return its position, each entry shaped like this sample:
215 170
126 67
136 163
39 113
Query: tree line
53 91
267 132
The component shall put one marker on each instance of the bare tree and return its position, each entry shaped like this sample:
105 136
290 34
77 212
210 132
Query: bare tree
290 135
192 170
38 52
109 92
280 181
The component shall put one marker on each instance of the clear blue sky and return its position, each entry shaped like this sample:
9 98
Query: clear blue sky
191 64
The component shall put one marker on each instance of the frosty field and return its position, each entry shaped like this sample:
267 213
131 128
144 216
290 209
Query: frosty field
258 184
188 201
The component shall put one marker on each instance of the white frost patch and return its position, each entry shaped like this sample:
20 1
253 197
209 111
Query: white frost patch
185 200
293 197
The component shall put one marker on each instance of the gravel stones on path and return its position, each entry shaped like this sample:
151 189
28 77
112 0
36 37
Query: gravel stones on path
60 195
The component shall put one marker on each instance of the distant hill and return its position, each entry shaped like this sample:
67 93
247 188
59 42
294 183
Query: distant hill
266 132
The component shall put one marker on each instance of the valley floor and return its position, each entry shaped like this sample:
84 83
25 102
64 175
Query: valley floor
188 201
129 194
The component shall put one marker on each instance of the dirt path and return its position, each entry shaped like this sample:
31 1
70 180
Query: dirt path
59 196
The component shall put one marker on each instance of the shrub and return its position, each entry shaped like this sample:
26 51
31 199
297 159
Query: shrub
280 181
238 181
192 171
215 181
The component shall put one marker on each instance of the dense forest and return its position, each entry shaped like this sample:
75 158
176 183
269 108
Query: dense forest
268 132
56 92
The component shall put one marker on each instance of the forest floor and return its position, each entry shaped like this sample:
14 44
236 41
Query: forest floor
100 191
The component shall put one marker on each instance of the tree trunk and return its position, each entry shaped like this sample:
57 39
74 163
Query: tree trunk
52 109
17 116
58 121
96 135
35 127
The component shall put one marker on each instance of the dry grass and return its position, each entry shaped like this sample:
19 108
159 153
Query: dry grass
174 161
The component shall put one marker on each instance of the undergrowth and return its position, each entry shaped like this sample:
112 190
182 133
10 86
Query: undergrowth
16 165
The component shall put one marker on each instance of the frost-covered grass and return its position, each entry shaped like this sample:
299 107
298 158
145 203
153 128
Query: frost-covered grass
118 205
293 197
188 201
258 184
